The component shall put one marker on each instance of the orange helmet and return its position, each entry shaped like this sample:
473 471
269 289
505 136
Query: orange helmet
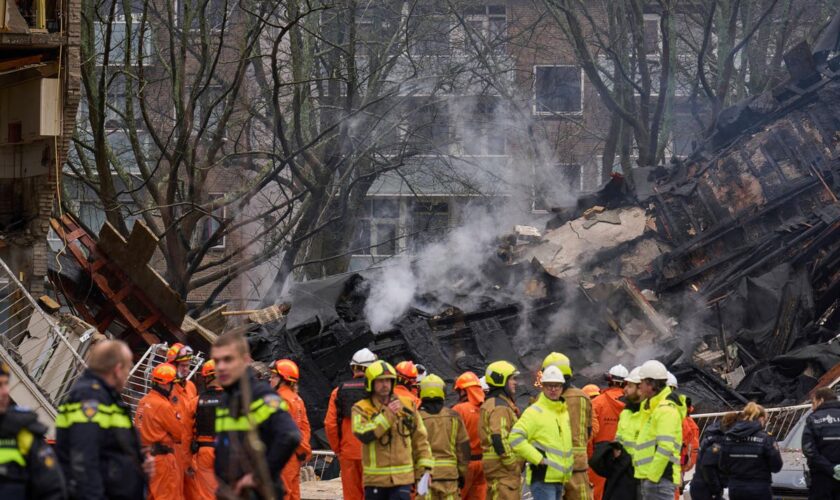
208 369
467 379
287 370
591 390
178 352
407 371
164 373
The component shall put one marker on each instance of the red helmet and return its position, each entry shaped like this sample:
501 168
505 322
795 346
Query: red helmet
287 370
467 379
208 369
173 351
164 373
406 371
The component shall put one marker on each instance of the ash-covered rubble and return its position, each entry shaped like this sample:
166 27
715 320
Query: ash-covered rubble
724 266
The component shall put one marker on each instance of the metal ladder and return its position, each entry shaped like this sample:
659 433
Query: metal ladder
140 376
45 357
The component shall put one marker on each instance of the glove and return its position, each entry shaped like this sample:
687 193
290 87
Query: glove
837 472
423 484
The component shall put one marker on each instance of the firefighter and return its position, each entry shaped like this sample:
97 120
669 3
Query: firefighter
656 458
204 432
584 426
394 440
471 397
255 435
448 440
30 469
607 407
285 375
339 429
819 444
502 468
407 374
158 422
543 437
183 396
749 456
96 443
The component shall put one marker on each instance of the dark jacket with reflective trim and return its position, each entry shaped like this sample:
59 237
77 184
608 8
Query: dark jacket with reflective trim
96 444
821 438
274 425
28 467
708 476
749 454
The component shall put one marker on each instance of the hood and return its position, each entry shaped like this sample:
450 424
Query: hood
744 429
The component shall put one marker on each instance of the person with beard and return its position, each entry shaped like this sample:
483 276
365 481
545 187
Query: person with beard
499 413
749 456
613 460
448 440
471 396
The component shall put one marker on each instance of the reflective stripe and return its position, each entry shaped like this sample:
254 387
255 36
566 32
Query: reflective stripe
743 456
669 439
105 416
515 442
387 471
646 444
445 461
643 461
426 463
555 451
669 455
555 465
259 413
9 455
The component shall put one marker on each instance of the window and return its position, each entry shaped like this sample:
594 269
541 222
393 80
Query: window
549 192
117 49
481 134
429 27
216 14
376 227
210 106
558 89
652 35
429 222
120 143
490 23
211 223
428 123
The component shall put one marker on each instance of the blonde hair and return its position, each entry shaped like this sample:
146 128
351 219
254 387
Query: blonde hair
753 411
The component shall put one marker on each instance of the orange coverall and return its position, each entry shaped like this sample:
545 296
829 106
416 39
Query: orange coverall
346 446
606 407
161 430
291 471
475 484
401 390
184 395
690 447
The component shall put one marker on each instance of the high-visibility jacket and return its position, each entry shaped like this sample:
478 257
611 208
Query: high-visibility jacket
337 423
545 432
660 438
28 464
404 392
94 428
498 414
159 424
628 427
471 416
584 425
395 448
183 396
448 441
608 407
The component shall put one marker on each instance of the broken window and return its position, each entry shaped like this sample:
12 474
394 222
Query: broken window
211 223
489 22
429 222
558 89
377 227
652 36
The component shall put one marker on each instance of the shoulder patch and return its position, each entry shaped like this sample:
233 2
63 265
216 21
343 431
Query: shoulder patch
47 457
276 402
95 386
90 408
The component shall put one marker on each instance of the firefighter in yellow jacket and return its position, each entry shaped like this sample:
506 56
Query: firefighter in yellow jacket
395 446
502 467
448 439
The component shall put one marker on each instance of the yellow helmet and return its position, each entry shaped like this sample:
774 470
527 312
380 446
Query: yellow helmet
432 387
499 372
377 370
559 360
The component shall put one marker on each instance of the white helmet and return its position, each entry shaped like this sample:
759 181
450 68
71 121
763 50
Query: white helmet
672 380
634 378
553 374
483 382
653 369
618 372
363 357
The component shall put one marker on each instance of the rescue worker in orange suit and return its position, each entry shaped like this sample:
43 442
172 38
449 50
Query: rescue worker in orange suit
339 427
183 396
204 433
285 375
158 421
448 440
607 407
584 426
471 397
406 387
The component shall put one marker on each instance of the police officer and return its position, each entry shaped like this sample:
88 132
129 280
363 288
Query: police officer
708 483
96 443
249 409
821 445
749 456
28 468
